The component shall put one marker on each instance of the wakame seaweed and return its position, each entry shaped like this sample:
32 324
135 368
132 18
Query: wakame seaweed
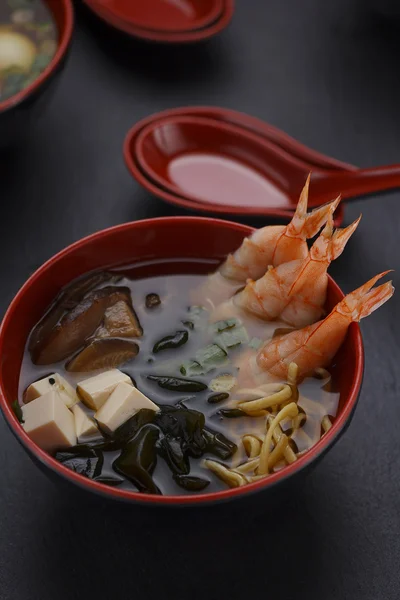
216 398
176 384
218 444
191 483
232 413
17 409
82 460
139 458
170 342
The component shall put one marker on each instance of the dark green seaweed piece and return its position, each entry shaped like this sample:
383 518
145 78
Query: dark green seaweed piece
171 450
188 324
139 458
170 342
152 300
232 413
191 483
215 398
185 425
82 460
176 384
218 444
17 409
113 481
129 429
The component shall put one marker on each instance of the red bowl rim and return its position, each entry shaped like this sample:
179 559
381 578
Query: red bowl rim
216 10
158 36
148 499
65 40
191 204
231 128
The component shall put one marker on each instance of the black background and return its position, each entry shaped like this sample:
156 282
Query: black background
327 73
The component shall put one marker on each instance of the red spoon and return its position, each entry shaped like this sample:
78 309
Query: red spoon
272 134
164 15
212 162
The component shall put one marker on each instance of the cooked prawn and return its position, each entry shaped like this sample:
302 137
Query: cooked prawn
308 291
316 345
296 291
276 244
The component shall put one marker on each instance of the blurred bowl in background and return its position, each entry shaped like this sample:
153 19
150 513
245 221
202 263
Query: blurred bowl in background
17 111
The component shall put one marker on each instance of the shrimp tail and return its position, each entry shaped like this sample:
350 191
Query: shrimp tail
301 209
341 237
318 217
364 300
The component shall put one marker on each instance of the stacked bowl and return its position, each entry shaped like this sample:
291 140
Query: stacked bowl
165 21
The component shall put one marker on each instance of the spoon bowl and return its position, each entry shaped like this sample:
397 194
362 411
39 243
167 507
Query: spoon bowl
211 163
219 163
313 158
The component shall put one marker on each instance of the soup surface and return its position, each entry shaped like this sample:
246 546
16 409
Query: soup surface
195 368
28 43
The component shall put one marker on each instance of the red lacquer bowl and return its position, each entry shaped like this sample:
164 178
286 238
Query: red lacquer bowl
15 112
167 37
164 15
164 238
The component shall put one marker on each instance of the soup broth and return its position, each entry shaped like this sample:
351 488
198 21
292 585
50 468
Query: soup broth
184 362
28 43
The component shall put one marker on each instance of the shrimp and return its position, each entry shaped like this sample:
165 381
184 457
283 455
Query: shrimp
308 292
316 345
271 245
296 291
276 244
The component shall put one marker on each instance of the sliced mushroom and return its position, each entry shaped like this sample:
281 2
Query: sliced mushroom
66 300
120 320
107 353
77 325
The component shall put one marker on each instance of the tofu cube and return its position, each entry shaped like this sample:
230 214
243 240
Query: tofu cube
123 403
54 382
85 427
49 423
96 390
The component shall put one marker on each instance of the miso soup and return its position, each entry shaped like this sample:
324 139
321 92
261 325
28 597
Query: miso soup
28 43
128 380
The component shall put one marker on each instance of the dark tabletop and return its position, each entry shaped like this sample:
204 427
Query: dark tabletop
327 73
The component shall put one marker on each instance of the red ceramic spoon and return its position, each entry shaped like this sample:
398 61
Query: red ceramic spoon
211 162
272 134
233 117
207 208
164 15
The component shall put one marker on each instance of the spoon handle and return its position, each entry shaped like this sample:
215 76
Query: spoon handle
352 185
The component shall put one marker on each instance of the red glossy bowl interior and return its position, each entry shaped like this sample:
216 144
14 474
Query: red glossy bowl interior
165 15
168 37
219 163
162 238
62 11
268 132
